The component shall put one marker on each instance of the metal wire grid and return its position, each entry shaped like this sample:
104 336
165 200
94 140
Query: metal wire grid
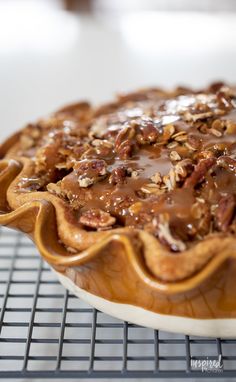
46 332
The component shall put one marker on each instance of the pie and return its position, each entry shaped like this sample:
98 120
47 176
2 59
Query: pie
133 204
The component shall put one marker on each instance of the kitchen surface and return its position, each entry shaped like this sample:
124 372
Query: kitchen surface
53 53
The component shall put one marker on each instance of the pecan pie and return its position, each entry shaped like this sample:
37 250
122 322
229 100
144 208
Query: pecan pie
133 204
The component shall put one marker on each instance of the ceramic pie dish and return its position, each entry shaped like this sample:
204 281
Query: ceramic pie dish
133 204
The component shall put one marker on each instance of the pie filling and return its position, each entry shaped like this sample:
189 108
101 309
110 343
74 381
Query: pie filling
163 162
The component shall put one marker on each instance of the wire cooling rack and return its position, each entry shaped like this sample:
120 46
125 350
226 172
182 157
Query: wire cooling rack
46 332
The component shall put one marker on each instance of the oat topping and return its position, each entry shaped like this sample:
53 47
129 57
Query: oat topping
164 162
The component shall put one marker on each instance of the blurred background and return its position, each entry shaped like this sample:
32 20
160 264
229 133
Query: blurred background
54 52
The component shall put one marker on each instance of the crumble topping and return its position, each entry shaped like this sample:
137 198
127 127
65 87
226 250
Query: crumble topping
155 160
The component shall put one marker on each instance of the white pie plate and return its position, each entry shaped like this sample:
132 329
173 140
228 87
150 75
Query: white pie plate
224 328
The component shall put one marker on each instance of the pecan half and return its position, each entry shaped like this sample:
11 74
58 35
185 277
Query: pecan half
225 212
125 142
47 157
216 86
224 100
147 133
199 172
96 218
118 175
90 171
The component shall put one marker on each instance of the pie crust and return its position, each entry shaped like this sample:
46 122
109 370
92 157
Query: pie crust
166 258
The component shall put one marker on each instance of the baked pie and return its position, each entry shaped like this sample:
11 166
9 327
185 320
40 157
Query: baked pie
133 204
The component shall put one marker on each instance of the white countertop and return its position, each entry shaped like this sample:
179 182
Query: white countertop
49 57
